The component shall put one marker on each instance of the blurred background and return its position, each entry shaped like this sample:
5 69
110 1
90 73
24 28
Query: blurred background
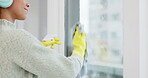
103 21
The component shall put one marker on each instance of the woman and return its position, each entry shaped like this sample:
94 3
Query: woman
24 56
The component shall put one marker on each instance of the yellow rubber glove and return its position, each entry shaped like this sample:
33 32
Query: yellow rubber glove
79 43
52 42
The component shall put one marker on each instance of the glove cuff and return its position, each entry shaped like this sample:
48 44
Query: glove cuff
79 52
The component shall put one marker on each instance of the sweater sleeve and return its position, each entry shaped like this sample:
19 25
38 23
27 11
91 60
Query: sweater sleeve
31 55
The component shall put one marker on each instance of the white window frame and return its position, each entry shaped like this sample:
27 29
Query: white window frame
143 38
131 38
135 29
135 38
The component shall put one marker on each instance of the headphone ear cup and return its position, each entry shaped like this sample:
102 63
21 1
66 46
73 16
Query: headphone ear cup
5 3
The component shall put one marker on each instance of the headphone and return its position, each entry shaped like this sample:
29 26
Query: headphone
5 3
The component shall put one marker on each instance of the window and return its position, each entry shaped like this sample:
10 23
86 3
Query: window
103 24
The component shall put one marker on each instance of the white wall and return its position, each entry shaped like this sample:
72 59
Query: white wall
31 24
36 22
32 21
143 38
55 21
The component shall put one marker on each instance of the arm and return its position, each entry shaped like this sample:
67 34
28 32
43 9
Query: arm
31 55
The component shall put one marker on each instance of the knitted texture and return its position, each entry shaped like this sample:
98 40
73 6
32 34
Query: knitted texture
21 54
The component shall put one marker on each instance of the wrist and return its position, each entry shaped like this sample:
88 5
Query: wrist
79 52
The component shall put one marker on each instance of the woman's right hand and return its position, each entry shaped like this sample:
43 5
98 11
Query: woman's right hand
79 43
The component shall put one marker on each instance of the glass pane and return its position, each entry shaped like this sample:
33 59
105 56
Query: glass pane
104 28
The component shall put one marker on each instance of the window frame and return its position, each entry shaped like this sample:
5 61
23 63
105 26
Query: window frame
131 39
71 17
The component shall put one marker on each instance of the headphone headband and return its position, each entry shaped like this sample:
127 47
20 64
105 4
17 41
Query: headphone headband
5 3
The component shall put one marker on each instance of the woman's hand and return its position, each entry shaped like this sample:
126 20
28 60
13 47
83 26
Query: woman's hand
79 43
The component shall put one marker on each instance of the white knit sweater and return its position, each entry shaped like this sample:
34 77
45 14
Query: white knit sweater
21 53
